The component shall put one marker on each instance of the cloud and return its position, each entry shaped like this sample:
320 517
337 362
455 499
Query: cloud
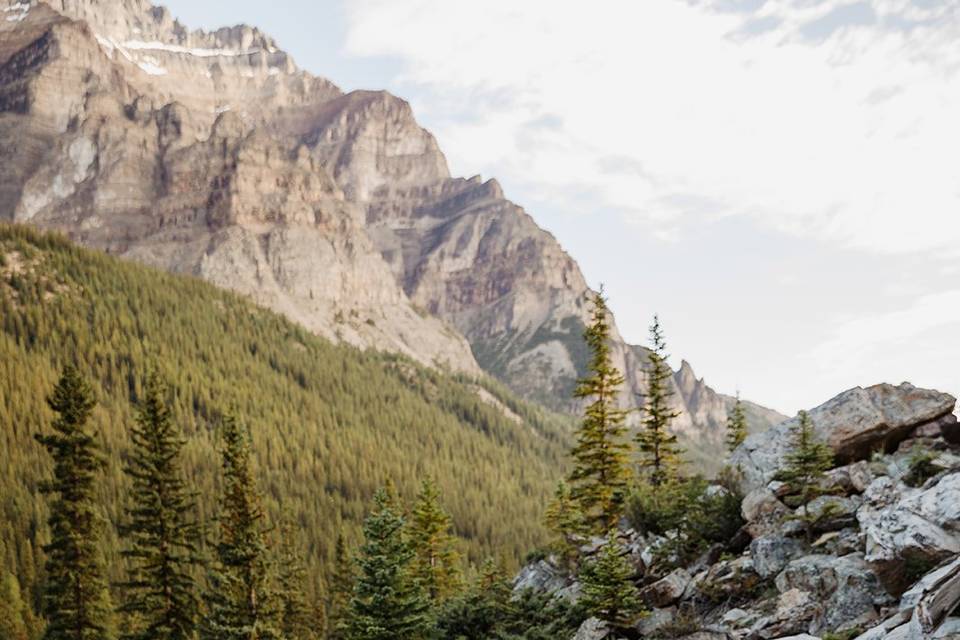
834 119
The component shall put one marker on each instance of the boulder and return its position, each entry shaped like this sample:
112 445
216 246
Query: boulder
834 512
907 529
855 424
540 576
770 554
655 620
666 590
729 579
846 587
763 512
592 629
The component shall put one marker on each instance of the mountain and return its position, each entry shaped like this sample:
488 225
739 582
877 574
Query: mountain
329 423
213 154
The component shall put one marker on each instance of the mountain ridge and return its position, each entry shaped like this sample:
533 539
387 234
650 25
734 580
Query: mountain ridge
212 153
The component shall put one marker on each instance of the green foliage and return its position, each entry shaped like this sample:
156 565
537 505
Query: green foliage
608 591
388 602
540 616
804 468
736 425
564 520
331 422
76 600
481 611
600 472
921 466
241 601
657 445
298 620
691 514
14 612
160 533
340 592
436 561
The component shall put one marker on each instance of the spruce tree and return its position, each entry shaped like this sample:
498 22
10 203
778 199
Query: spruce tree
564 520
804 468
339 592
388 603
76 599
297 620
600 457
657 445
482 611
161 534
241 602
736 425
607 589
435 563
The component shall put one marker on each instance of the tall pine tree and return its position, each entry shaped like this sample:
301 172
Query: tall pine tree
242 603
388 602
600 470
804 468
736 425
297 618
435 563
657 445
564 520
76 599
339 592
608 591
161 534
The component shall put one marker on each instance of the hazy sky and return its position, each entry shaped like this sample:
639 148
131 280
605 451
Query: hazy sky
778 179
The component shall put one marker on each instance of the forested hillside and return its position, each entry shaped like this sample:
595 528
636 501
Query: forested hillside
329 423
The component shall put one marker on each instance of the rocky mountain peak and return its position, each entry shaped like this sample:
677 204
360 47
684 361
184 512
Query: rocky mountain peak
211 153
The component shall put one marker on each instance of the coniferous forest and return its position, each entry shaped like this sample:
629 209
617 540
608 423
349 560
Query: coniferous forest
183 465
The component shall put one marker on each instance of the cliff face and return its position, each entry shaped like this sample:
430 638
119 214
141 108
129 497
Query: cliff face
213 154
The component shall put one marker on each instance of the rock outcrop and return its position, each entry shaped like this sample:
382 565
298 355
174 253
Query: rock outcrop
856 424
212 153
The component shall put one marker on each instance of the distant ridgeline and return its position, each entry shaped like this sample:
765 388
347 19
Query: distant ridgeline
329 423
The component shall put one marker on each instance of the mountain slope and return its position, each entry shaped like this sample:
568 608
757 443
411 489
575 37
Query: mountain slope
213 154
329 423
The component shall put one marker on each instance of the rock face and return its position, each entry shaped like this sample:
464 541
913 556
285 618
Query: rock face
213 154
855 424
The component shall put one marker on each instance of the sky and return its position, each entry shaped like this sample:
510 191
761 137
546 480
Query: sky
777 179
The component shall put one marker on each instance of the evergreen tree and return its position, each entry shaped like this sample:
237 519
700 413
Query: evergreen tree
161 533
388 603
600 470
481 611
76 599
607 589
340 591
435 563
564 519
13 610
241 602
297 620
659 451
804 468
736 425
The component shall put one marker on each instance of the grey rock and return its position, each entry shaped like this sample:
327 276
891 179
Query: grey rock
541 577
847 587
592 629
656 619
854 424
904 525
770 554
667 590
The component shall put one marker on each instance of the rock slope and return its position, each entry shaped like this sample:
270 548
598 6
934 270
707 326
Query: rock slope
212 153
886 560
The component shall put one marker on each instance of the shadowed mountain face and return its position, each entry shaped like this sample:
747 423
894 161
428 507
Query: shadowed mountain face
213 154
